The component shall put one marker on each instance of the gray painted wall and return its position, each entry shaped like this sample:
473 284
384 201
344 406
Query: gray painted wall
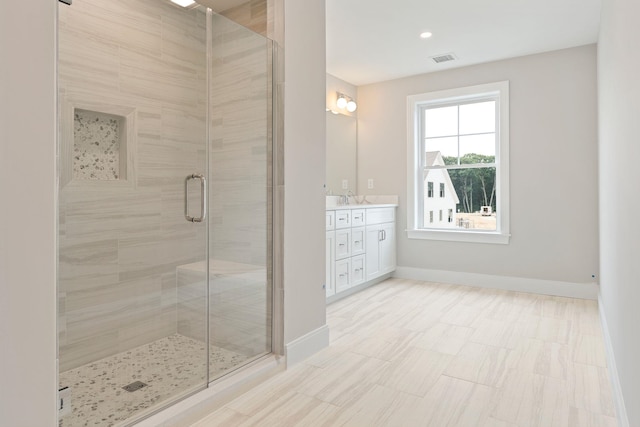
28 214
304 165
619 151
553 160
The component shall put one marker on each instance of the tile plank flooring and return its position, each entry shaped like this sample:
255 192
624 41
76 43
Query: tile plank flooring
409 353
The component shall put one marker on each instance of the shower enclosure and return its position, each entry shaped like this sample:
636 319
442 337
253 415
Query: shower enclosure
165 205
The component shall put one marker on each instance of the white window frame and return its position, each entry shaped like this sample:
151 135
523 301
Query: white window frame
415 104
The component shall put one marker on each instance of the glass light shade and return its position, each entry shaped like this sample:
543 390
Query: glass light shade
351 106
341 102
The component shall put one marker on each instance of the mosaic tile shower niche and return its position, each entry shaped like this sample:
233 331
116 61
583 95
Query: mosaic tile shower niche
99 142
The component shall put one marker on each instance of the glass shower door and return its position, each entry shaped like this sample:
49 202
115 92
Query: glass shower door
240 243
132 283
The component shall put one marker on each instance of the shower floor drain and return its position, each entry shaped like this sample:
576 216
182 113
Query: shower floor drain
137 385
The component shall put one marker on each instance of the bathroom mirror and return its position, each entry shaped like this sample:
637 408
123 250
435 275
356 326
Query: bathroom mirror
341 154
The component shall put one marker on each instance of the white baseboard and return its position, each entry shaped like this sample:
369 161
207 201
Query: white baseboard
518 284
357 288
618 398
301 348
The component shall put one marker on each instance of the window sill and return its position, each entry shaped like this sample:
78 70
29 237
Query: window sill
460 236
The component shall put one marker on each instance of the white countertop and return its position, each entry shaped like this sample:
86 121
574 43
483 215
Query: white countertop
362 206
361 202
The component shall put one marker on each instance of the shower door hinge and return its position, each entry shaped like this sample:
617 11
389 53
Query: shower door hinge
64 402
66 2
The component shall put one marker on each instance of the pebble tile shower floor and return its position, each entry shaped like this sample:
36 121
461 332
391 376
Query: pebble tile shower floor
174 363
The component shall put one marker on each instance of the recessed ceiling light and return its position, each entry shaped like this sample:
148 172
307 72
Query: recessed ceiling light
425 35
183 3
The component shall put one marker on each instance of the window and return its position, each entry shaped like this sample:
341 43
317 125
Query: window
459 138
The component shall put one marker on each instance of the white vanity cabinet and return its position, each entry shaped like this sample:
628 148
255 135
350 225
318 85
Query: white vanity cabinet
360 246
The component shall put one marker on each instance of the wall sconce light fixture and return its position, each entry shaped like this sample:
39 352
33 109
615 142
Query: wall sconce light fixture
347 102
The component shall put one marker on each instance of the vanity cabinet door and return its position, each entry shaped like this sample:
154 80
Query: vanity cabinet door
373 237
380 249
388 248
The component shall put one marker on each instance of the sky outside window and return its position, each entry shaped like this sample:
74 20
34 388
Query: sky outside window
475 123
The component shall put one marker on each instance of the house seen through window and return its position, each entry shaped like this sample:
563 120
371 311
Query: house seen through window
460 147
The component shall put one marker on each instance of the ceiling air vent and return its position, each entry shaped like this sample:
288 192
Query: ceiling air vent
443 58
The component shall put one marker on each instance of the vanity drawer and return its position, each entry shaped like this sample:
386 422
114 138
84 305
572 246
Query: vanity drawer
343 274
357 270
343 243
380 215
343 219
357 240
357 217
330 222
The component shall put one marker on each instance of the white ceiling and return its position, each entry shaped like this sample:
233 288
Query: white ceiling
373 40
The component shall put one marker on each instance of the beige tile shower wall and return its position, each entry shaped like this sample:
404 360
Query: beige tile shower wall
239 147
119 246
252 14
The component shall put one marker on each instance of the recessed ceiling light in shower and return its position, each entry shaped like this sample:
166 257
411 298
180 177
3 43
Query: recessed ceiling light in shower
183 3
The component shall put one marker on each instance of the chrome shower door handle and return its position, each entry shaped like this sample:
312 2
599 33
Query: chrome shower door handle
203 197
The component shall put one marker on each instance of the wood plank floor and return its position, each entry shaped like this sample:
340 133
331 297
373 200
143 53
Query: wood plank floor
409 353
